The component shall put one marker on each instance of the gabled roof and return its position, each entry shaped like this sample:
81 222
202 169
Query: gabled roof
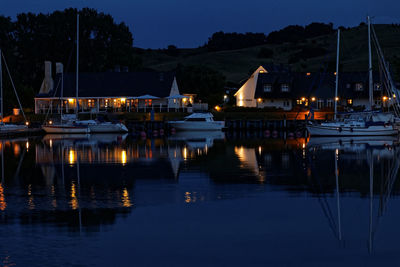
320 85
117 84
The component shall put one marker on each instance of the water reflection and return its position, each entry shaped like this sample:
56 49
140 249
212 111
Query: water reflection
81 183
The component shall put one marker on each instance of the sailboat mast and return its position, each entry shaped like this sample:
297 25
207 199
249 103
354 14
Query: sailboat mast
77 64
371 96
1 86
337 73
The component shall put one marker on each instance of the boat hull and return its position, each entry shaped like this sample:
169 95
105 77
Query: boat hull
197 125
65 129
108 128
12 128
320 130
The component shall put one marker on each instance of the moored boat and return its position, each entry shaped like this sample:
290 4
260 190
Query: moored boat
198 122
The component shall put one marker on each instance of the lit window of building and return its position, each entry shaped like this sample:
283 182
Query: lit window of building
359 87
285 87
350 101
267 88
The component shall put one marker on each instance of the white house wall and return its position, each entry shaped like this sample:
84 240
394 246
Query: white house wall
174 103
275 103
245 95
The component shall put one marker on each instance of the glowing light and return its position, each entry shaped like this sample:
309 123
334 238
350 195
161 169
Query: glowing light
123 99
27 145
385 98
51 143
394 96
225 97
259 100
50 122
184 100
123 157
74 201
335 73
126 202
303 99
71 157
16 150
188 199
27 123
349 101
259 150
71 100
337 98
217 108
312 99
308 74
185 153
3 203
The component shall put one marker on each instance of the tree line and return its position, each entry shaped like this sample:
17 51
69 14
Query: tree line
293 33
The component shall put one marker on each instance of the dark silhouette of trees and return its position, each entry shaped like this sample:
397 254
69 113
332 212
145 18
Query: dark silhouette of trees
230 41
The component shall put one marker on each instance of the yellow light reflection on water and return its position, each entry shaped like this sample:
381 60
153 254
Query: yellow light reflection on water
123 157
185 155
72 157
188 198
74 201
31 204
3 203
126 202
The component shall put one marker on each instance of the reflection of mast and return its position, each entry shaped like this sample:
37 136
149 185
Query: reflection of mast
371 184
337 194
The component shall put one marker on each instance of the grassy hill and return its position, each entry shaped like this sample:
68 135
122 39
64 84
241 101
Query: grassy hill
236 65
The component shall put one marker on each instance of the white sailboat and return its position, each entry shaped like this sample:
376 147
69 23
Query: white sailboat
9 128
82 126
198 122
366 124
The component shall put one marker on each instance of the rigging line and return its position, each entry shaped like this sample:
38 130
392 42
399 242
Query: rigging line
322 200
54 94
13 86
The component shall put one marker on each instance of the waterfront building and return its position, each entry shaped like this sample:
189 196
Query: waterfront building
285 90
117 91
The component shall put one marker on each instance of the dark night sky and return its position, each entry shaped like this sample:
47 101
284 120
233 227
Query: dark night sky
189 23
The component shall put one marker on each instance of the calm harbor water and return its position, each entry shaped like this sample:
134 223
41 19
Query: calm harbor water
223 200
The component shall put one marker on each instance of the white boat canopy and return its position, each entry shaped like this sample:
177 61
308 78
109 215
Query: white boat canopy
199 116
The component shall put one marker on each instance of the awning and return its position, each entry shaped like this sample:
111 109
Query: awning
145 97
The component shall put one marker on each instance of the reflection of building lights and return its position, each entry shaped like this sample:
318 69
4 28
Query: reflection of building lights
123 157
188 198
259 150
126 202
3 203
71 156
184 153
27 145
304 145
74 201
51 143
16 150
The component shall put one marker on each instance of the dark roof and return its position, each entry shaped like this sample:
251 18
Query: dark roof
118 84
320 85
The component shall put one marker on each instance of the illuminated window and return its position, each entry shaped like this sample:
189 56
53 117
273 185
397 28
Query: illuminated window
377 87
359 87
285 87
350 101
267 88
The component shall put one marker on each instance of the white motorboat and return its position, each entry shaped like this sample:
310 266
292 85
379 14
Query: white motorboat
198 122
103 127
